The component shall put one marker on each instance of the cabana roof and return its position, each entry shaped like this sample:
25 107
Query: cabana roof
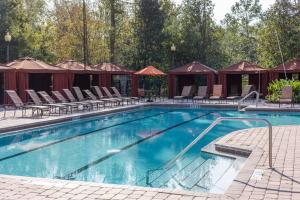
193 68
243 67
75 66
291 66
32 65
113 68
5 68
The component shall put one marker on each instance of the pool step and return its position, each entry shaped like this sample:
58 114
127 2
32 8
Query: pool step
192 177
155 174
158 177
176 173
197 174
215 181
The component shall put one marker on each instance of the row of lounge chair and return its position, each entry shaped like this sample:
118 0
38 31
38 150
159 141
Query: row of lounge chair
286 96
42 102
217 94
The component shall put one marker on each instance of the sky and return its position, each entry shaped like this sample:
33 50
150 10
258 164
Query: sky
223 6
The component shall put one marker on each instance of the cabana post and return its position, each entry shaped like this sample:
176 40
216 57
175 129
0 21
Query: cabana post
7 82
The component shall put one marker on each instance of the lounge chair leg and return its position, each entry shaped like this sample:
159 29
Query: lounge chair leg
4 115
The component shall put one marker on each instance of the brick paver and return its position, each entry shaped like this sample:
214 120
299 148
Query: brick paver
281 182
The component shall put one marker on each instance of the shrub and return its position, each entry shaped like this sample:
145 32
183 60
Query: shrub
276 86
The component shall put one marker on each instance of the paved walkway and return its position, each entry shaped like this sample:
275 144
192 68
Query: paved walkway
282 182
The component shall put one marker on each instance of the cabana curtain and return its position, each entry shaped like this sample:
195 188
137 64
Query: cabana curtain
134 85
71 77
223 81
60 81
210 82
105 80
9 84
22 79
171 85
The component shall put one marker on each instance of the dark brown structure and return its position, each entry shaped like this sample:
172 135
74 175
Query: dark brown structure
7 82
37 75
112 75
80 75
193 73
292 67
231 78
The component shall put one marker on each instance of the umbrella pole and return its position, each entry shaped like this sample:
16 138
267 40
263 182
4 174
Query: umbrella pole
149 90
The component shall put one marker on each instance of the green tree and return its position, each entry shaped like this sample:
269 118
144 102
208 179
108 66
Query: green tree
26 21
200 36
240 30
281 20
149 32
68 24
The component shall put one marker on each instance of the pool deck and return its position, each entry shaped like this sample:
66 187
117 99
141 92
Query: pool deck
281 182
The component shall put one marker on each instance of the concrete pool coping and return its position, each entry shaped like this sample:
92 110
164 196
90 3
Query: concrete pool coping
243 187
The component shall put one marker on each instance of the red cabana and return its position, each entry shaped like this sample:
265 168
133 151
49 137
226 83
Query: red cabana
292 69
194 73
118 76
232 77
37 75
7 82
79 75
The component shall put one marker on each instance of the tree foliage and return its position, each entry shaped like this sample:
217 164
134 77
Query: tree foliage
281 21
136 33
240 30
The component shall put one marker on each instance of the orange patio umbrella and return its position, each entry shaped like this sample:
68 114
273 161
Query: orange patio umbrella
150 71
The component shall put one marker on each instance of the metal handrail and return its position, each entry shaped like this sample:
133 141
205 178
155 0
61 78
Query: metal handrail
248 95
216 122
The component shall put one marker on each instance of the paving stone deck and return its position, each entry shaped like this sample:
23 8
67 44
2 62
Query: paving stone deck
281 182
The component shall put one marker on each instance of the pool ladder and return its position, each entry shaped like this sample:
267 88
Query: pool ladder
203 133
246 97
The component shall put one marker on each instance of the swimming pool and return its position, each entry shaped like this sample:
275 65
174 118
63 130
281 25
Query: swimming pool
130 148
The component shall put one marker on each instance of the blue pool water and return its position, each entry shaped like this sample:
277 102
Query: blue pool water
130 148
